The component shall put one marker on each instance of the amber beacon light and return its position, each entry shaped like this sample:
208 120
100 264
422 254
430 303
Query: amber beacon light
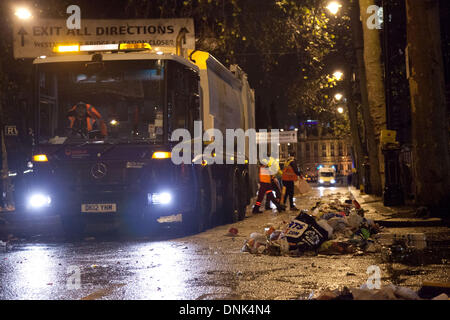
161 155
40 158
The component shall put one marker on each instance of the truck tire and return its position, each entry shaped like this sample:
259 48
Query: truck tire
201 218
244 194
234 204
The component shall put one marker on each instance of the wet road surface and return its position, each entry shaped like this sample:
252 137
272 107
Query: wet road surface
208 265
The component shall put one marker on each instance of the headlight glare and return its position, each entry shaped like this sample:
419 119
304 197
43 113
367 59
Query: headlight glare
160 198
39 200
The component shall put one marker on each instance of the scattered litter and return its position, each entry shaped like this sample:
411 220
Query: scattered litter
333 226
354 220
406 293
333 247
387 292
442 296
324 224
327 295
304 234
336 294
232 232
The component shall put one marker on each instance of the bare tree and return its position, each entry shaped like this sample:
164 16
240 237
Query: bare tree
358 43
375 94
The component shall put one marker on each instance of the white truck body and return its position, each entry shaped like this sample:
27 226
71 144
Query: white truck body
228 100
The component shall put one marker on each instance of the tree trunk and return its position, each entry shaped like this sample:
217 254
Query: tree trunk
375 92
428 105
358 43
354 128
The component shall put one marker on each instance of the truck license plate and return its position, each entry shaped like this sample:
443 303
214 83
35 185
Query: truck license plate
103 207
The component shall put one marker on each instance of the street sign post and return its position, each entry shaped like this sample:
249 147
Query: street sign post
37 37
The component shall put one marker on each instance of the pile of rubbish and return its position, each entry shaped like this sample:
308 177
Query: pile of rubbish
387 292
331 227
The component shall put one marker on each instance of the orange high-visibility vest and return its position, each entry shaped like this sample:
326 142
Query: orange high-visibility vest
93 115
288 173
264 175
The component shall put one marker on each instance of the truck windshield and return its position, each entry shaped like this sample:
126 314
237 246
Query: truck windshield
110 101
326 174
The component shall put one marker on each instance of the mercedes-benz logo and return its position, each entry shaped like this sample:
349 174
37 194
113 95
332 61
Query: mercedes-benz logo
99 170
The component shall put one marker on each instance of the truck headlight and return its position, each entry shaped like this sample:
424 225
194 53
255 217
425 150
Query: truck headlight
320 181
159 198
333 181
39 200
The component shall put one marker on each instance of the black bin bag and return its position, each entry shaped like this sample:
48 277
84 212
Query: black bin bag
304 234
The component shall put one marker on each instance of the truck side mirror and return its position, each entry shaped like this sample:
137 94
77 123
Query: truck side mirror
94 67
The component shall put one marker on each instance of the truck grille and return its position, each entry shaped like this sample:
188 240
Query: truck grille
97 176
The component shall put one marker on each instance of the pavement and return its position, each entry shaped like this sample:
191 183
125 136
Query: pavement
394 217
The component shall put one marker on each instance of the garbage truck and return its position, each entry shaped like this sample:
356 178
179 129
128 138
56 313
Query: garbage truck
103 121
326 175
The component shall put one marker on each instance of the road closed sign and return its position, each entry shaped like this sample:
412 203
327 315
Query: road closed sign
38 37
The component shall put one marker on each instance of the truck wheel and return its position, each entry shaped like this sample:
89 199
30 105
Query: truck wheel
234 208
201 219
73 225
243 193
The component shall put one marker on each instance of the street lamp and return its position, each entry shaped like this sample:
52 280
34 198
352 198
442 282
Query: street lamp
23 13
338 75
340 110
338 96
334 7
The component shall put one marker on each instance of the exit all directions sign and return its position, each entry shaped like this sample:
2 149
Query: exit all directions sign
37 37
